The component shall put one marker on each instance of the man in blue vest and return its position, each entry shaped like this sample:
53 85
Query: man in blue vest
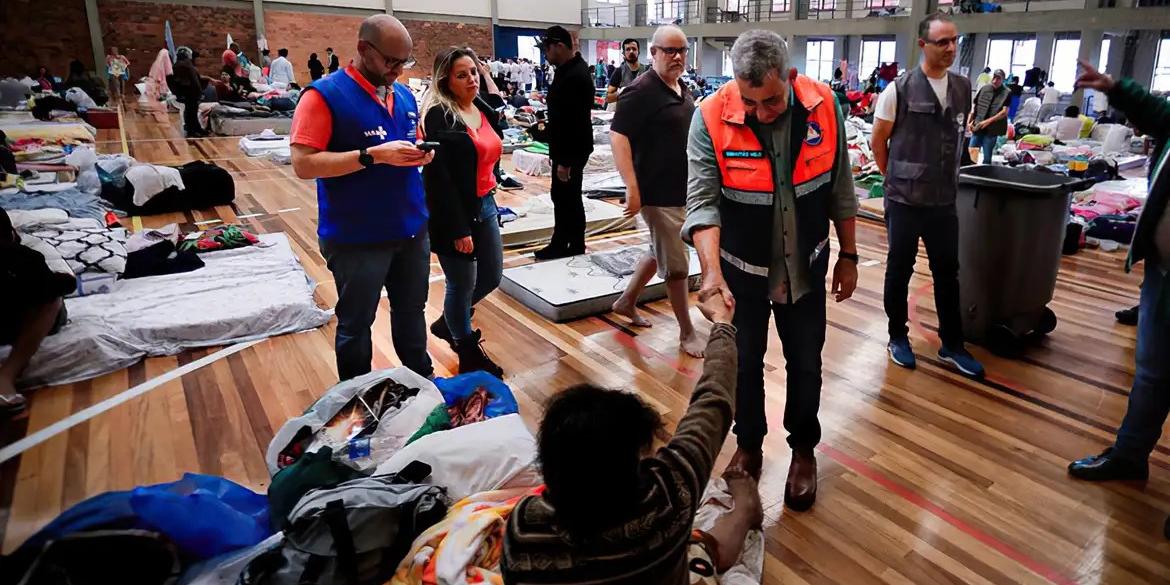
355 134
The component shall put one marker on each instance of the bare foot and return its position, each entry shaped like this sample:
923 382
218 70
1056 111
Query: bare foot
630 311
693 345
745 492
10 400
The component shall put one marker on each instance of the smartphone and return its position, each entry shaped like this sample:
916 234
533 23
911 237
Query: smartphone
427 146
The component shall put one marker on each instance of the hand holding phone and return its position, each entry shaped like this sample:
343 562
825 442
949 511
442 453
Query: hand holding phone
427 146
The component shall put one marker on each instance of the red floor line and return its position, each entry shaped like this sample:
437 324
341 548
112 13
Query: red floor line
859 467
646 351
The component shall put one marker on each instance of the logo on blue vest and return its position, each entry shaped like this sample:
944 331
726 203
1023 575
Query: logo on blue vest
743 154
814 136
380 133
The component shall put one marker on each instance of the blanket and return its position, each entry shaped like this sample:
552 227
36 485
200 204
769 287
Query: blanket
51 132
241 294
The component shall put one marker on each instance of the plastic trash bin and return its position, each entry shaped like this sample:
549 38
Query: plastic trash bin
1011 229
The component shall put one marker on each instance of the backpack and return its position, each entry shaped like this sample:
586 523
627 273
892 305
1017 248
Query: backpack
125 556
353 534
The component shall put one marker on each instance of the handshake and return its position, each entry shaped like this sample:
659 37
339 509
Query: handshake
717 305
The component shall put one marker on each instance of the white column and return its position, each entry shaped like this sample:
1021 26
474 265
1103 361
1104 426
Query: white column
1090 52
95 37
258 14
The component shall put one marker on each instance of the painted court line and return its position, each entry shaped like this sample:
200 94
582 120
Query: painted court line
75 419
250 215
1052 574
208 221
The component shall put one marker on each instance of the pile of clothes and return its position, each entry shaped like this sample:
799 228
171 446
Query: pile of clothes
1106 215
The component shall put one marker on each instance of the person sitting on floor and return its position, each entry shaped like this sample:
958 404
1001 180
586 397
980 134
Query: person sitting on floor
34 310
1069 126
610 513
86 81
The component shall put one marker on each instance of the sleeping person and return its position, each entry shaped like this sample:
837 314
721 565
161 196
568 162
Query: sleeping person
36 309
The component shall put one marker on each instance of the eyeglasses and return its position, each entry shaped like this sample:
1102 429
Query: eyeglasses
391 63
673 51
942 42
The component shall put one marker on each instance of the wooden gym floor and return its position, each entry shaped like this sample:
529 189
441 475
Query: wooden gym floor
926 477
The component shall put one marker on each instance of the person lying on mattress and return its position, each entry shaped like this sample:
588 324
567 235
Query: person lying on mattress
613 513
36 309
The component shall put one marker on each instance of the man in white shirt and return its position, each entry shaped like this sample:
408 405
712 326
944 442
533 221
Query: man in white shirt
1050 97
280 72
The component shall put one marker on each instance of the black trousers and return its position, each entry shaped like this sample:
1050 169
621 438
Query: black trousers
801 326
191 114
568 210
938 227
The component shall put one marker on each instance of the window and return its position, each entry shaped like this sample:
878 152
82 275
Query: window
1161 81
780 6
818 63
1014 56
875 4
1063 71
727 70
874 53
1103 62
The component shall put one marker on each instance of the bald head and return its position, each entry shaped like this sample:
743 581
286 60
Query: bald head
668 48
384 45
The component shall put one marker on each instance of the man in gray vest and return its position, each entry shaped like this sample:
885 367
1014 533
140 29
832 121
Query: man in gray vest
918 132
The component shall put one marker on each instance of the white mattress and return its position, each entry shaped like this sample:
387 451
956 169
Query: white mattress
252 147
576 287
531 163
240 294
225 126
535 224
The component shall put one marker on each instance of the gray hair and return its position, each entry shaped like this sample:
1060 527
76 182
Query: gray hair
757 53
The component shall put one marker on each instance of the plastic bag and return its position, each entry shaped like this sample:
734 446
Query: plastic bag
459 389
84 159
204 515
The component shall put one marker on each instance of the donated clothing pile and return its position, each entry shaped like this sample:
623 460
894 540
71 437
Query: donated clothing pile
361 493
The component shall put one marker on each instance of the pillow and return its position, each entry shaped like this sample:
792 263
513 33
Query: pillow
53 259
497 453
87 249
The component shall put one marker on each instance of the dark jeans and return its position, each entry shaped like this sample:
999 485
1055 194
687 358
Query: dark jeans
568 210
361 271
191 114
801 326
938 227
1149 399
471 278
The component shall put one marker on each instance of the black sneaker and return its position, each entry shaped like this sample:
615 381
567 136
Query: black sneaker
551 252
1127 316
439 329
1108 466
509 183
472 357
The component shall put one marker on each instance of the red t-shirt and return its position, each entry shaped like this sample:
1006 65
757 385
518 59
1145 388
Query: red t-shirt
488 150
312 123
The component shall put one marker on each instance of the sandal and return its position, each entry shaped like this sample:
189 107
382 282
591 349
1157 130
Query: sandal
12 404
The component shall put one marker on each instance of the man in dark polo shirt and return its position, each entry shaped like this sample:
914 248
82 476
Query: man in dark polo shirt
649 138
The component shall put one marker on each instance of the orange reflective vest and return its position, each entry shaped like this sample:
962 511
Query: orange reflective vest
748 180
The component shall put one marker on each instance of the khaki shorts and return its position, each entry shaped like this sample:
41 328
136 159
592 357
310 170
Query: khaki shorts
700 563
674 263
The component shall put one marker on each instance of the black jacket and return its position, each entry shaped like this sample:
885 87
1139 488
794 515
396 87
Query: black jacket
1150 114
569 129
185 80
450 179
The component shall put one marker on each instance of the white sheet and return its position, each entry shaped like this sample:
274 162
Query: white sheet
749 569
252 147
536 220
241 294
531 163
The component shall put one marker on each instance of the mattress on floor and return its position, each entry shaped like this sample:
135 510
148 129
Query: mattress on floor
242 294
535 224
263 147
244 126
572 288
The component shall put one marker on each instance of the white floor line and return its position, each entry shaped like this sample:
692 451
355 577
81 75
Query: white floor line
250 215
73 420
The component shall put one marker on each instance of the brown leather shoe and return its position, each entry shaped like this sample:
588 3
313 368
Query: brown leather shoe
800 492
750 461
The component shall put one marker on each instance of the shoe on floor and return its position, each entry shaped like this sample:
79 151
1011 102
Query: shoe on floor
472 357
901 353
1127 316
551 252
963 361
1107 466
509 183
749 460
439 329
800 491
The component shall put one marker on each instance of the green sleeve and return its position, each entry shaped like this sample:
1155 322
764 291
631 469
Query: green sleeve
1150 114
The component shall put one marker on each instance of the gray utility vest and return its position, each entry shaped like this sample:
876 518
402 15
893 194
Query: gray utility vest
926 145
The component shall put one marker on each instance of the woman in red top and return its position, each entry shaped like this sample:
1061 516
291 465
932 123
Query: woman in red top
461 185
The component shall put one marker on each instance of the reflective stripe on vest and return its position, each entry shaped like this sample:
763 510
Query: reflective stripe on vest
744 266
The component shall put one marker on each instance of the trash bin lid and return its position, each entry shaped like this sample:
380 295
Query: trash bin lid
1026 182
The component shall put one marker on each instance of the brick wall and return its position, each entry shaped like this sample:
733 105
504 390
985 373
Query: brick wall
43 32
303 33
138 29
432 37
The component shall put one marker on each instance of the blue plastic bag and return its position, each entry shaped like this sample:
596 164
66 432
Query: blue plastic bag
462 386
204 515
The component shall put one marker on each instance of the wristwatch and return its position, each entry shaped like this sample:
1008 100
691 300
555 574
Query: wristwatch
854 258
365 158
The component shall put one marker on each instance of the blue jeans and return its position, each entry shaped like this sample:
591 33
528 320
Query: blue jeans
1149 399
801 326
361 271
987 143
471 278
